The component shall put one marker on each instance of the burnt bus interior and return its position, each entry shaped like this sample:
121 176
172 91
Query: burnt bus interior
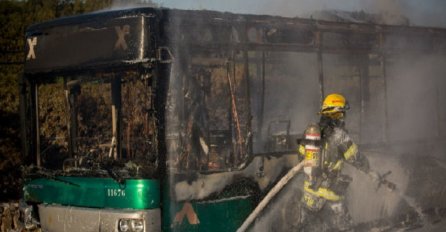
244 86
91 108
207 91
88 121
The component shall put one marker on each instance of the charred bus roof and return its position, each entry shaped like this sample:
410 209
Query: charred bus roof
91 40
134 36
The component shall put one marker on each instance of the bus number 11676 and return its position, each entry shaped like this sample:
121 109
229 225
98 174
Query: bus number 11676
115 193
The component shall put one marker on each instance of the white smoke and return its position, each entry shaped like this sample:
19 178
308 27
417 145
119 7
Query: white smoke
414 89
128 4
422 13
205 185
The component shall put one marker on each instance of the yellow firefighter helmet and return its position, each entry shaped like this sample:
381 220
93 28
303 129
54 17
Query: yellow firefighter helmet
334 106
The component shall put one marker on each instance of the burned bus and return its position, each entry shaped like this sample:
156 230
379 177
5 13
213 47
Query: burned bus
152 119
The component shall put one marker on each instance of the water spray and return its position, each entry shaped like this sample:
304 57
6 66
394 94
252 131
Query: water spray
382 181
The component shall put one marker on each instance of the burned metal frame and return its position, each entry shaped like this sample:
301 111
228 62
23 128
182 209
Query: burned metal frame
215 37
244 33
205 39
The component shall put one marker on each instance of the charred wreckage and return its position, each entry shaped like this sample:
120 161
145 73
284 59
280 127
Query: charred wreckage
157 119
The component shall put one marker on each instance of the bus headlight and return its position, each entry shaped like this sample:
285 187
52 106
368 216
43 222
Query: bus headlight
124 225
131 225
26 216
138 225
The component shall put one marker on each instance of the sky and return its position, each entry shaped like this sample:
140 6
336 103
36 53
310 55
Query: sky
420 12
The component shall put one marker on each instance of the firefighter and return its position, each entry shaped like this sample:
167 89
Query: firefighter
325 148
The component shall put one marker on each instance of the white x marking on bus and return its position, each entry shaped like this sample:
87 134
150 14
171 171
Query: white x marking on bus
121 32
31 43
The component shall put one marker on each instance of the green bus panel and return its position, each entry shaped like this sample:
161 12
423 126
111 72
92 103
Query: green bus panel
224 215
94 192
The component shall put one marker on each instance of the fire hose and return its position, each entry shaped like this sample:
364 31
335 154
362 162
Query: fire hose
389 185
270 196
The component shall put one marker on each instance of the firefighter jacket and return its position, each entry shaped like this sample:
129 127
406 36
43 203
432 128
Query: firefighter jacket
329 184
